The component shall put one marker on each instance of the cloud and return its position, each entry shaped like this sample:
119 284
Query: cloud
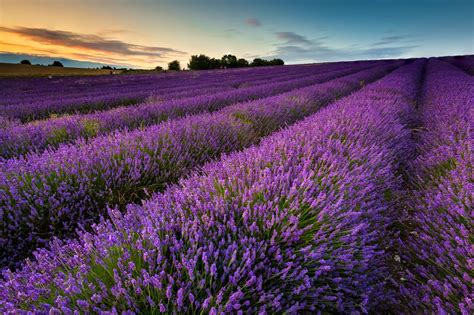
93 43
293 38
297 48
396 39
388 52
253 22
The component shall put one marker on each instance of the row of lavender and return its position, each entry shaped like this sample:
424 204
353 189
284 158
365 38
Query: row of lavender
50 194
43 106
21 90
298 223
304 222
37 136
437 252
40 107
464 62
75 85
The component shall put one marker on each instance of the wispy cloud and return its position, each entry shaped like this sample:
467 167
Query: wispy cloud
253 22
294 48
396 39
387 52
96 47
90 42
293 38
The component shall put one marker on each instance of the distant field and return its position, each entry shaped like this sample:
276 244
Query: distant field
342 187
17 70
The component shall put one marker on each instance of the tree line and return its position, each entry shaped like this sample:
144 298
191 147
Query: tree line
203 62
54 64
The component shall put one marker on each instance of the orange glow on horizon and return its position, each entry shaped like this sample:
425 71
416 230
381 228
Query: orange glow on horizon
17 44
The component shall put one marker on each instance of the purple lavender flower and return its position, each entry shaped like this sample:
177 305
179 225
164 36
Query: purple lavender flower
50 194
305 215
437 245
39 135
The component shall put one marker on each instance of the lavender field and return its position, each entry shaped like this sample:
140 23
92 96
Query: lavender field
330 188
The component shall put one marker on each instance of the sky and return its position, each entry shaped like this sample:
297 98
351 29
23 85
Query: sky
148 33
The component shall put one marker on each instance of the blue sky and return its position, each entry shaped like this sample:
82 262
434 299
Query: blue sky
148 33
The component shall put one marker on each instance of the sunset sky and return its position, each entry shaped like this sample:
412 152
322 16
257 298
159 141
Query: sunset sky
146 33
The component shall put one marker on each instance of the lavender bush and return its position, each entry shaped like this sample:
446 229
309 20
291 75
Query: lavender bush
47 97
437 251
40 135
50 194
297 224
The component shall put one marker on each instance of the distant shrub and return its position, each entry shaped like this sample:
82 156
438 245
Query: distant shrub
159 68
229 61
242 63
25 62
277 62
174 65
56 64
203 62
258 62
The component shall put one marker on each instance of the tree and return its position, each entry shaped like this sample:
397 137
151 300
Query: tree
258 62
277 62
174 65
56 64
215 64
25 62
242 63
107 67
203 62
158 68
229 61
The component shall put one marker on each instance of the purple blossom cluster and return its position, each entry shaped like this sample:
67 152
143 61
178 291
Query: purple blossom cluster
296 224
437 250
39 98
39 135
50 194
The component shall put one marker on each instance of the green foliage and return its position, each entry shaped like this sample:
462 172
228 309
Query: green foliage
58 135
229 61
258 62
242 63
174 65
90 128
203 62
